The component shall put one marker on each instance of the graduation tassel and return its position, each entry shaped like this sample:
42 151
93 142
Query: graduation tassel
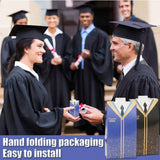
142 39
138 57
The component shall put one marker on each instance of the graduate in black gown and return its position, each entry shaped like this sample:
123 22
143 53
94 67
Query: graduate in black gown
9 42
150 51
25 109
138 77
96 68
54 72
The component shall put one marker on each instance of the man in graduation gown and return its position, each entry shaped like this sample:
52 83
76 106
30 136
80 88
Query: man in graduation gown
54 72
137 76
9 43
150 50
95 70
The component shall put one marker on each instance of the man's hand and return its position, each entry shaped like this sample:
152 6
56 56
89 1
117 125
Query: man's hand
56 60
46 109
86 54
68 116
93 115
73 67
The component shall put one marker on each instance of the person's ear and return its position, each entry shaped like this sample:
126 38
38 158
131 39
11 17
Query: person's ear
26 51
92 17
131 46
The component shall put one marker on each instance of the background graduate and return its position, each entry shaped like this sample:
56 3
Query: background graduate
9 43
150 49
96 69
54 72
138 78
25 98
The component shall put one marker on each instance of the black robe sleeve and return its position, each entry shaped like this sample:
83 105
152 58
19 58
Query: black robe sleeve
67 56
102 59
7 50
143 85
142 81
23 113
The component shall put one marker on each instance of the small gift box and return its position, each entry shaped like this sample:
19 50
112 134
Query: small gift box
74 112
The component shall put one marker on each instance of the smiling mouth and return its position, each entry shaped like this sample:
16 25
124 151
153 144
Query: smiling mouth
40 55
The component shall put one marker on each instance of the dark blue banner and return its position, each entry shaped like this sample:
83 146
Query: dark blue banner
52 147
56 147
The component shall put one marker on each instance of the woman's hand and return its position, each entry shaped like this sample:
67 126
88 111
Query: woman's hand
68 116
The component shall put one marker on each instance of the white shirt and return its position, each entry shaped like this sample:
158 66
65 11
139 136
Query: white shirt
58 31
130 65
26 68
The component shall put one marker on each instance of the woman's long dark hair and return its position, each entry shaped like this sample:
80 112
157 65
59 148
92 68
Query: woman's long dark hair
20 46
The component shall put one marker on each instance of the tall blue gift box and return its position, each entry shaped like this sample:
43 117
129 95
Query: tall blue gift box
121 129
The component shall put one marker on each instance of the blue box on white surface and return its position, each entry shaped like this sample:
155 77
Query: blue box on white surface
121 129
74 112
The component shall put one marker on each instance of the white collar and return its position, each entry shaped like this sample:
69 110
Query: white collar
26 68
58 31
13 37
130 65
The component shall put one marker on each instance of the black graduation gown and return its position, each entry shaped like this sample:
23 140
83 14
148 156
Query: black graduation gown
24 100
89 83
142 81
7 50
56 79
150 50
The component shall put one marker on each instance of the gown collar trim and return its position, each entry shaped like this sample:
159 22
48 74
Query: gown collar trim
26 68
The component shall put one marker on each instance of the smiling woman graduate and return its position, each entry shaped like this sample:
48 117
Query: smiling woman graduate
25 98
54 72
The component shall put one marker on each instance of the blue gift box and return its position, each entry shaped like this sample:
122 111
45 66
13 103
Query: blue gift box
74 112
121 129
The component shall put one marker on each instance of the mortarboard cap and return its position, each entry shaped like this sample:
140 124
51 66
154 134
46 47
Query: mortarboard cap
50 12
133 31
28 31
85 8
18 15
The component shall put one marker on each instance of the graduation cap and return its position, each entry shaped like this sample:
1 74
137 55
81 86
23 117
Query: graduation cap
50 12
85 8
18 15
133 31
28 31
